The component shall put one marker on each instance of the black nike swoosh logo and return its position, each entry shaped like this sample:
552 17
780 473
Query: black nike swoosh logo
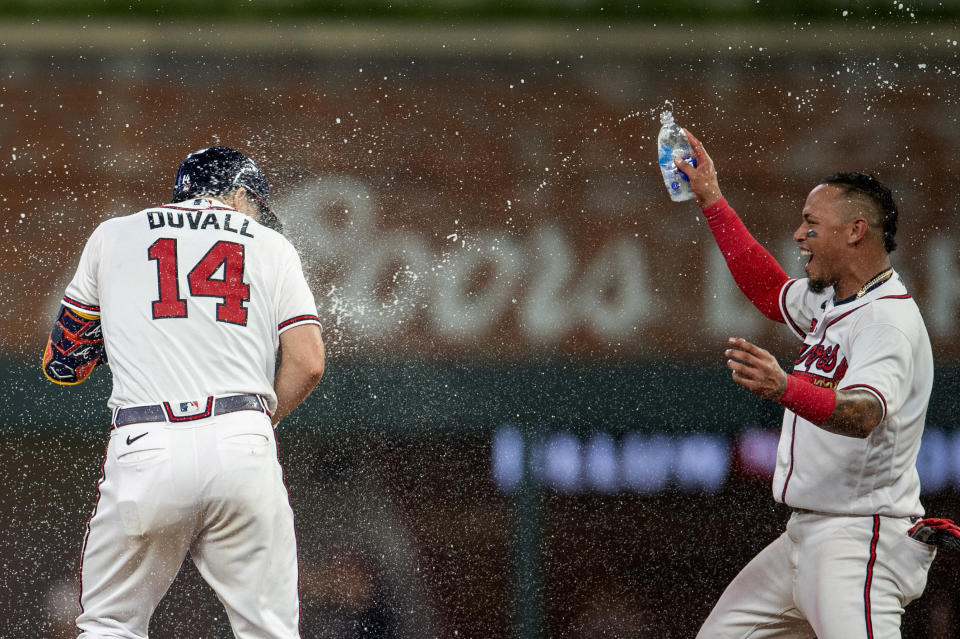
130 439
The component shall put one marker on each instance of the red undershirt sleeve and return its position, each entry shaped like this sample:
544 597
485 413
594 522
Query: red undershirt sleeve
754 270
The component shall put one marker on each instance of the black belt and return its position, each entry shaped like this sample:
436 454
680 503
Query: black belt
164 413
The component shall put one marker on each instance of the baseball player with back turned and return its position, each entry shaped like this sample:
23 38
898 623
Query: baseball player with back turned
856 397
191 302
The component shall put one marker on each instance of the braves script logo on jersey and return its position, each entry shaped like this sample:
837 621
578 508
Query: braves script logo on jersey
819 364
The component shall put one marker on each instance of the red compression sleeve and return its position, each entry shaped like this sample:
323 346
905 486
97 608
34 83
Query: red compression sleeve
814 403
754 270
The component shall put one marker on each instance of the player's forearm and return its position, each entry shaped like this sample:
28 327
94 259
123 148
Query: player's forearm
856 414
852 413
754 270
302 361
75 347
293 384
289 396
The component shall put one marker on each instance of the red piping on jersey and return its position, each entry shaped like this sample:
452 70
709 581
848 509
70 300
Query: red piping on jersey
840 317
754 270
783 309
206 413
869 579
905 296
793 438
298 318
86 307
800 332
883 400
264 404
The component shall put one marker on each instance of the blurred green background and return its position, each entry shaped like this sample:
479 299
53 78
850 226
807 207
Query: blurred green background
696 10
526 428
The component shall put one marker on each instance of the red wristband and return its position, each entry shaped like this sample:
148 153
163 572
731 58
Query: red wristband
814 403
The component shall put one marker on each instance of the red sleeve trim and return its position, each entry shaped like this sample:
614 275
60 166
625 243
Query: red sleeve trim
754 270
813 403
90 308
299 319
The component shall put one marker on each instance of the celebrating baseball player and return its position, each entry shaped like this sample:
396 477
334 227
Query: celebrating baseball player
856 397
190 302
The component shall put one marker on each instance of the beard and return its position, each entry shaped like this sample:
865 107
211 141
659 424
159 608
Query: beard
817 286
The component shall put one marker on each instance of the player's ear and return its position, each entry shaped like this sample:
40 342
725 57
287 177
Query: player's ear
251 204
238 196
857 230
240 200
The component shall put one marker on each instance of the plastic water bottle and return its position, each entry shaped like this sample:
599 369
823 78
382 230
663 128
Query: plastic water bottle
673 144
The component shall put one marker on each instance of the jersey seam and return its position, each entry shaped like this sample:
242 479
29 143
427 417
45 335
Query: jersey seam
853 335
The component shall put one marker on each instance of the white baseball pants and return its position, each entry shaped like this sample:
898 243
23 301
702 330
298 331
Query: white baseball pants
832 577
211 488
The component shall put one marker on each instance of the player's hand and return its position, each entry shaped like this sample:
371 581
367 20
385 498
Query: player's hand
755 369
703 177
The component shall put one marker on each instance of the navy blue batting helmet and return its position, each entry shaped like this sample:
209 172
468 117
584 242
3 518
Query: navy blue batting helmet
217 170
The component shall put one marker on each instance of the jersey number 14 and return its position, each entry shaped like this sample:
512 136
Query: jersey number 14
230 288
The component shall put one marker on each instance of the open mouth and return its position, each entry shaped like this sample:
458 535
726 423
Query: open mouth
808 254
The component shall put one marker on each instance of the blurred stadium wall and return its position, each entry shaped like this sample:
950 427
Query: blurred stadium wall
526 428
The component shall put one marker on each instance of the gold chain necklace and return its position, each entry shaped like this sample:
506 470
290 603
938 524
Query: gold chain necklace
882 276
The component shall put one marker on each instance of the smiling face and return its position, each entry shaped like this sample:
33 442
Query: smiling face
824 237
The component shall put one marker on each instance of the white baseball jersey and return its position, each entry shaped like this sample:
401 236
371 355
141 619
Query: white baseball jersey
192 277
877 343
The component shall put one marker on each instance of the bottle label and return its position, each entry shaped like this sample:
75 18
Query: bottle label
666 156
692 161
669 167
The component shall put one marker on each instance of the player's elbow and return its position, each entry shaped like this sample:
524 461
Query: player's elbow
302 351
318 363
312 366
314 372
869 424
863 431
847 427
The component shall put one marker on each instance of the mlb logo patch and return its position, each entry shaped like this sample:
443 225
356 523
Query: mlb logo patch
189 408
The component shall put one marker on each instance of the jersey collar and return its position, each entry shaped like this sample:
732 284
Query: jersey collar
872 284
201 203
